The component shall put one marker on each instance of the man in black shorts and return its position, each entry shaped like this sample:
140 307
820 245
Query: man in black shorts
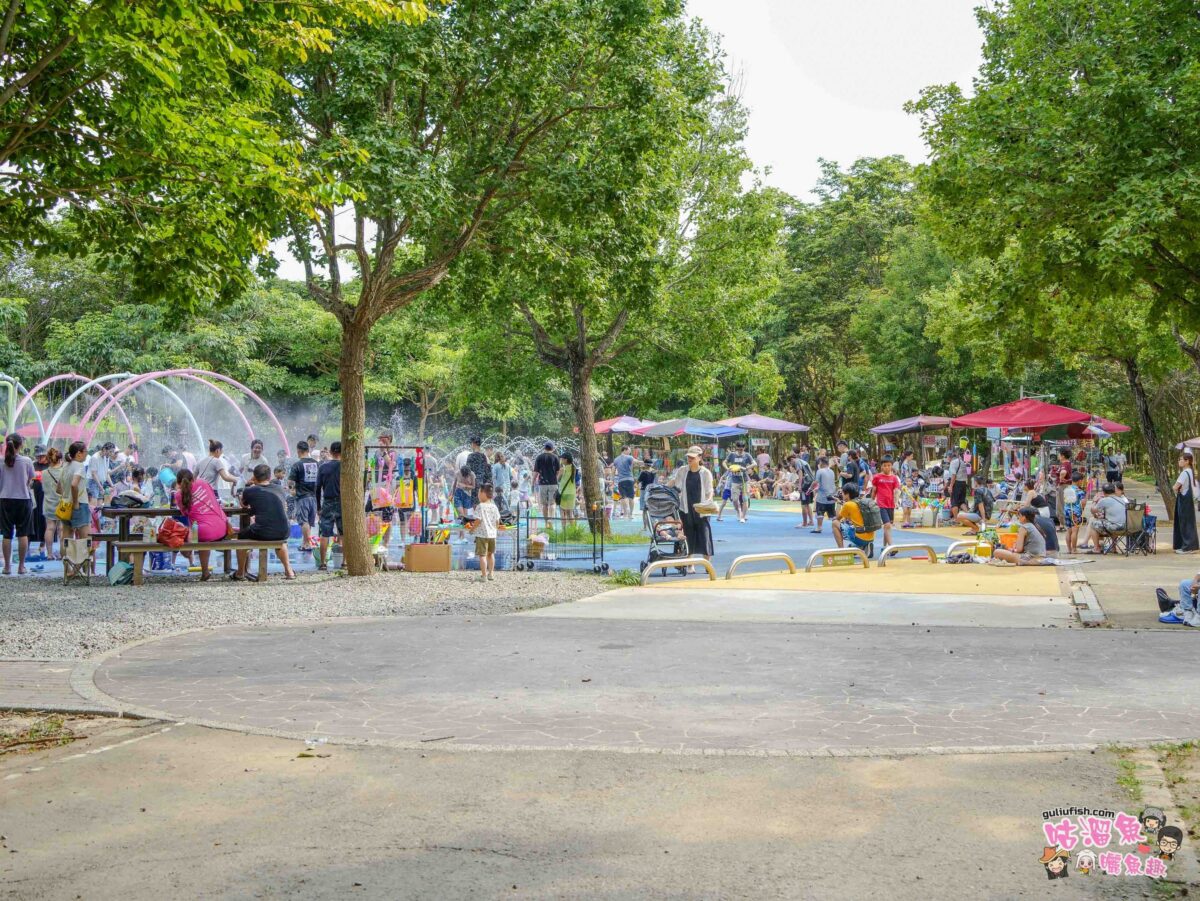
329 502
268 506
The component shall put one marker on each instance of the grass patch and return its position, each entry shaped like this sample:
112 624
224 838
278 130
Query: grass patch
579 533
624 578
1127 776
43 732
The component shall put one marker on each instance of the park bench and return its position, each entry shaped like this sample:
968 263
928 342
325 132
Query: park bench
135 552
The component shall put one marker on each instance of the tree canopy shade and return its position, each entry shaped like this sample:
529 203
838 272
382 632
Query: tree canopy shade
1073 165
151 123
490 110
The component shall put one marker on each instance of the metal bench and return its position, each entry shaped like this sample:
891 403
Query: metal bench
893 549
750 558
832 553
961 547
136 551
674 562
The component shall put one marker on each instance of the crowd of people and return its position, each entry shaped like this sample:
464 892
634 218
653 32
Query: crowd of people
47 495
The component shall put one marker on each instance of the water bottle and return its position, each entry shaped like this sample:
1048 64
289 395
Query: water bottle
193 534
148 532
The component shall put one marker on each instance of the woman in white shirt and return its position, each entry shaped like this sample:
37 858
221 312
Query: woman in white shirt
1184 518
695 485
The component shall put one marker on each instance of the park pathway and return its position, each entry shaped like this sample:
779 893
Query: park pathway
669 687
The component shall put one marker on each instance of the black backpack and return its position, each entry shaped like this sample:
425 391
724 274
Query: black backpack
872 518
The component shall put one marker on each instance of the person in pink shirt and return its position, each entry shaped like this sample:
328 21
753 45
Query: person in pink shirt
196 500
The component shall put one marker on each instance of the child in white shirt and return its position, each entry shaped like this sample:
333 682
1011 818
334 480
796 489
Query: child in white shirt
486 527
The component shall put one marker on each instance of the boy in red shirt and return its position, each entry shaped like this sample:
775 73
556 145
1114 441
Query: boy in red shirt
884 486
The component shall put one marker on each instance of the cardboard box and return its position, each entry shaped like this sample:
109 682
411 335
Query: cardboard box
427 558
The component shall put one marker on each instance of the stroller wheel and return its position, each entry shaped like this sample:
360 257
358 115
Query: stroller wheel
642 566
604 567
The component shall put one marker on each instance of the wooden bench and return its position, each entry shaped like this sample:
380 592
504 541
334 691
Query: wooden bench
135 552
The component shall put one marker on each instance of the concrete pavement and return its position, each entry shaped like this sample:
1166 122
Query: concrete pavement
669 687
140 812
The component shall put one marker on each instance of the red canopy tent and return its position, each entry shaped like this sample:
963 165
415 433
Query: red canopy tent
1028 414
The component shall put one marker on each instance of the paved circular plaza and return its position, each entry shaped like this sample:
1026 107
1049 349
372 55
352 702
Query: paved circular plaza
688 687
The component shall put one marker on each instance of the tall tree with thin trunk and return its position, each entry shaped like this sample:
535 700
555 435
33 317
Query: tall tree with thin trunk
646 281
432 134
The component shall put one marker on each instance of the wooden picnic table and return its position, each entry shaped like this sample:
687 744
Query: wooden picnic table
123 514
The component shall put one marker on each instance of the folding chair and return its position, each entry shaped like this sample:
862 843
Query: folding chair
77 560
1137 537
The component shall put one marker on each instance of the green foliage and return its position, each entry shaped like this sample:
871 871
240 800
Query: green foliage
1072 165
624 578
152 123
838 250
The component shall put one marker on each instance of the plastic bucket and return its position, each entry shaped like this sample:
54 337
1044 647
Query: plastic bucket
1008 540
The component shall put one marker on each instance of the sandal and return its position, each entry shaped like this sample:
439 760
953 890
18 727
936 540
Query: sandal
234 577
204 577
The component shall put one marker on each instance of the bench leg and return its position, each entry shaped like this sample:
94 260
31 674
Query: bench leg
225 560
262 565
136 562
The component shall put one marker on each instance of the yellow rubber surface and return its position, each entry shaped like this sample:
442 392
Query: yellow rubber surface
898 577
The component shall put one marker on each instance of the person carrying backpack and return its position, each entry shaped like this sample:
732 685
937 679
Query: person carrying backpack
857 521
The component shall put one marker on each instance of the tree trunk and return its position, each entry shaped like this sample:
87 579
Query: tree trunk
589 451
422 424
1154 448
355 545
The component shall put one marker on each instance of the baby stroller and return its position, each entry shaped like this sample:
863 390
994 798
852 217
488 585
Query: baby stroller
661 514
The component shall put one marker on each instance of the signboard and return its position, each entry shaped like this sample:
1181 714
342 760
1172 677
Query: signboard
993 434
760 442
929 441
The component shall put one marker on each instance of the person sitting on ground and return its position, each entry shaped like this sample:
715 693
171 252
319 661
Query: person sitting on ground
982 503
1030 549
196 500
1107 520
268 506
848 524
1183 613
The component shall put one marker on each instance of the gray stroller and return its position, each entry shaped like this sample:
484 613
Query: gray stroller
662 515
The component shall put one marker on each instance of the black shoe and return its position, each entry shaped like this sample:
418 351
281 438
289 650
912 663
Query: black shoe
1165 604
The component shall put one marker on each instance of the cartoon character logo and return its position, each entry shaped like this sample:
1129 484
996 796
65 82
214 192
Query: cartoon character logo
1085 862
1169 840
1152 819
1055 860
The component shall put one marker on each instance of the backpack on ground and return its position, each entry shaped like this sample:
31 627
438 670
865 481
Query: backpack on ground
872 518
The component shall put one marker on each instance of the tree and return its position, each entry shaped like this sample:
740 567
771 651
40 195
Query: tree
651 271
1073 164
437 131
151 123
838 252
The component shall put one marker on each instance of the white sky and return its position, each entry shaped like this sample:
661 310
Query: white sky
829 78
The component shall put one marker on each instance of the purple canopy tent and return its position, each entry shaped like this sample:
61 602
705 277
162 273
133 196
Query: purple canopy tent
916 423
756 422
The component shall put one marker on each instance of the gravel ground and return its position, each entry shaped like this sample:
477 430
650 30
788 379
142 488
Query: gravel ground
41 618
